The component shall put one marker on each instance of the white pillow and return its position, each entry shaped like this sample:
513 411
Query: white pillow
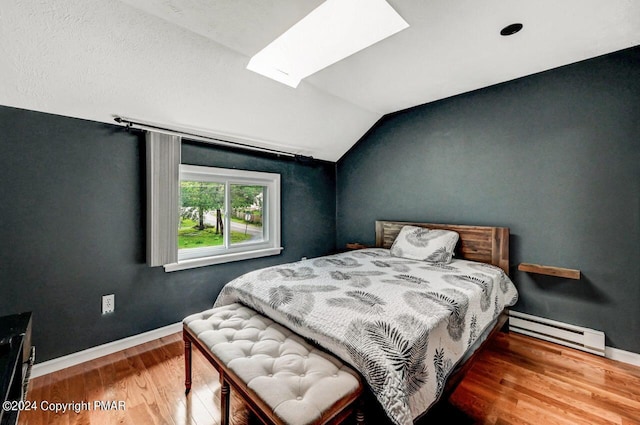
420 243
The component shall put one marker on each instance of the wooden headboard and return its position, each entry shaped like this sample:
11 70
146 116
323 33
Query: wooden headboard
477 243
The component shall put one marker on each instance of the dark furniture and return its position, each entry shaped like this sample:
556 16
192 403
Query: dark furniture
16 357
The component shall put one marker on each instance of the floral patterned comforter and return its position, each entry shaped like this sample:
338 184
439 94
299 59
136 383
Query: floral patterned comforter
403 324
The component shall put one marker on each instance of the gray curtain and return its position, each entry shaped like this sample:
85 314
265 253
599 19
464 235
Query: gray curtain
163 193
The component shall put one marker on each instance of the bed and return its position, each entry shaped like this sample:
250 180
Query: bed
407 325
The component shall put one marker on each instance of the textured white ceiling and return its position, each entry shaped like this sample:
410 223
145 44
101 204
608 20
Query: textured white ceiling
182 62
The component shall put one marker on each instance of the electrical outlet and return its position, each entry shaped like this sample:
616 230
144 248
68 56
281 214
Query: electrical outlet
108 303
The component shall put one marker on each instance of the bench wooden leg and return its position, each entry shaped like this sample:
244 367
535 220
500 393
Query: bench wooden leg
224 402
187 365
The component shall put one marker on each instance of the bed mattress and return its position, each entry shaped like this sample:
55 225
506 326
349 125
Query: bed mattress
403 324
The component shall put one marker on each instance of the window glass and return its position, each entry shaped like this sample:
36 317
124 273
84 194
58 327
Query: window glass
247 207
201 214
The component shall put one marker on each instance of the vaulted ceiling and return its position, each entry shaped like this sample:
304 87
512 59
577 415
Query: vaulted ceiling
181 63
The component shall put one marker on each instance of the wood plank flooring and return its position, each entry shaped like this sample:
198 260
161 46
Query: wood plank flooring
517 380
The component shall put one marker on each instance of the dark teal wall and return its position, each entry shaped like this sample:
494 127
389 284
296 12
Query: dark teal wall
72 229
554 156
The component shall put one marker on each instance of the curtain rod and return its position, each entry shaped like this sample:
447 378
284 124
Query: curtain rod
206 139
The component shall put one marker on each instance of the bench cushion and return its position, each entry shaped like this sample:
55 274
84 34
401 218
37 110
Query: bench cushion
296 380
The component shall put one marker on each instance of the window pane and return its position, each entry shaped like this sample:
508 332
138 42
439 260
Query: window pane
247 202
201 214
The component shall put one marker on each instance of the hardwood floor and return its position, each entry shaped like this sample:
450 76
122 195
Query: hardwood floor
516 380
522 380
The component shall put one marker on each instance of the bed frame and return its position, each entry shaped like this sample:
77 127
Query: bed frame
478 243
485 244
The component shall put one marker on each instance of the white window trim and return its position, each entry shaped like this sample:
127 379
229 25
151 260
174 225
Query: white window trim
271 243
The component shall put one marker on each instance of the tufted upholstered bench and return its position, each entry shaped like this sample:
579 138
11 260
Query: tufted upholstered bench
282 378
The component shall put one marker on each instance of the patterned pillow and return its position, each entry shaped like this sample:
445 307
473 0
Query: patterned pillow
419 243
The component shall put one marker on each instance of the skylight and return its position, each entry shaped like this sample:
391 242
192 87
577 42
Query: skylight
333 31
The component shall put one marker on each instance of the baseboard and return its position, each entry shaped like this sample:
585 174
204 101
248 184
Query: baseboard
622 356
93 353
589 340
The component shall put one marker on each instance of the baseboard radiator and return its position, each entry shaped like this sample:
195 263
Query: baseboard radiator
584 339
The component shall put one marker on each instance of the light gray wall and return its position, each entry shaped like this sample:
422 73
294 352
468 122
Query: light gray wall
554 156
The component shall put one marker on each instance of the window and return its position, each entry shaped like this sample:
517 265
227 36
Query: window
226 215
333 31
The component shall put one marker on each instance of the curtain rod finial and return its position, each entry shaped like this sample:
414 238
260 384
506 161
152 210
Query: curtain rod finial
304 158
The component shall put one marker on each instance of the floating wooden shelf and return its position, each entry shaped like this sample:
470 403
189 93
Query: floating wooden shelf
549 270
